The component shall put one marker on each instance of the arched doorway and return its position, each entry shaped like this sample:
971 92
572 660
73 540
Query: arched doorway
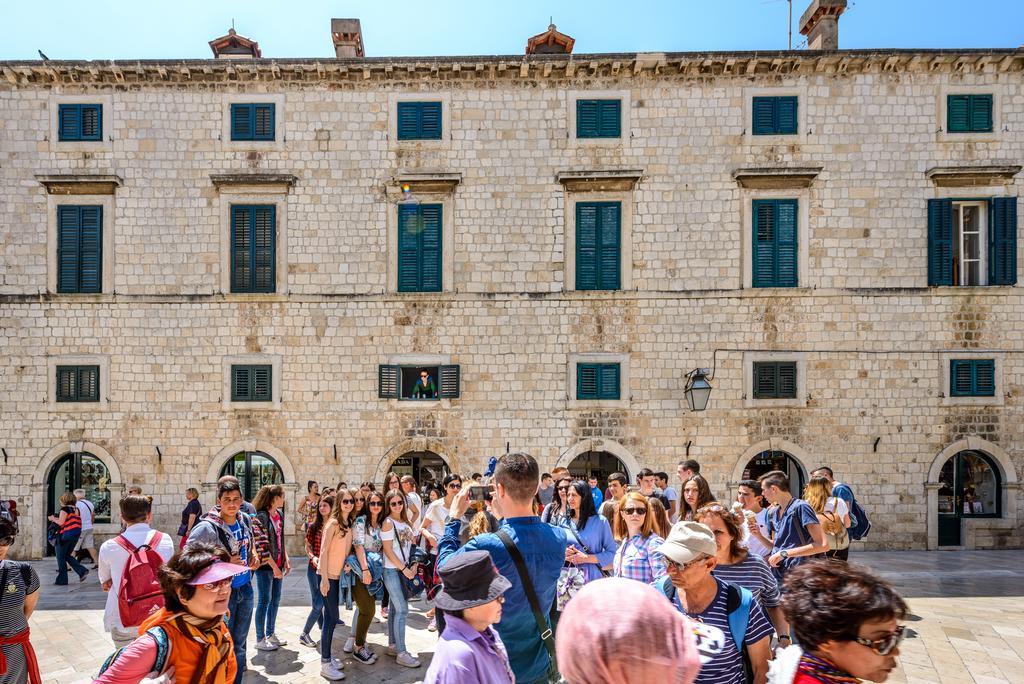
79 470
969 487
769 460
253 470
600 464
426 466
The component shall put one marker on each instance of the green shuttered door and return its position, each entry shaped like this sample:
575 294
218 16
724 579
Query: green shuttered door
79 248
598 245
775 243
253 253
420 247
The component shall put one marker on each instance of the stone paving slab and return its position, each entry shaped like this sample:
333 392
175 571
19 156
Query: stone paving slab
967 625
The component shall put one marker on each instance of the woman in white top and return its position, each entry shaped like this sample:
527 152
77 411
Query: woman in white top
834 515
396 535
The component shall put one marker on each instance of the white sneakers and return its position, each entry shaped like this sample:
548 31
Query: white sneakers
266 645
277 642
350 644
407 659
331 670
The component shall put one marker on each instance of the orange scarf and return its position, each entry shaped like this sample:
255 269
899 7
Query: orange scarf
201 650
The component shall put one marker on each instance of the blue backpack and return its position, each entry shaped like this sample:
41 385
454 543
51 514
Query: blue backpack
859 523
163 649
738 601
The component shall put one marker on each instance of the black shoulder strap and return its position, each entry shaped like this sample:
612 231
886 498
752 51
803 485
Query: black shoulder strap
546 635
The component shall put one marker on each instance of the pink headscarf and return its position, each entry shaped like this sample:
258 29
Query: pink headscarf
620 631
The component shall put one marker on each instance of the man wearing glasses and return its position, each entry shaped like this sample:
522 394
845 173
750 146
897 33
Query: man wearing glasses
719 607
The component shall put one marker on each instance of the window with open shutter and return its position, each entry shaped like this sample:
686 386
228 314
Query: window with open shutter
596 381
252 121
969 113
598 118
252 383
775 379
79 122
972 377
598 245
774 253
78 383
79 248
420 247
775 115
419 120
450 382
253 247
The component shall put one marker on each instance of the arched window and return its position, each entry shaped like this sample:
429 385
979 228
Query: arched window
253 470
767 461
81 470
426 466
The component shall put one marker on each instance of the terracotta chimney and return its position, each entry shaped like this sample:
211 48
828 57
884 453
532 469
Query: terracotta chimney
348 38
820 23
234 46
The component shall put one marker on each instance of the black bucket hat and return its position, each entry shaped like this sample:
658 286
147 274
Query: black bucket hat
470 579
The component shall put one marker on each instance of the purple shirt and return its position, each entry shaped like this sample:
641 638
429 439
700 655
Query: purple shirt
466 656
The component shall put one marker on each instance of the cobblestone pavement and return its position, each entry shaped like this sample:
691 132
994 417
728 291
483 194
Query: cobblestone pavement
967 625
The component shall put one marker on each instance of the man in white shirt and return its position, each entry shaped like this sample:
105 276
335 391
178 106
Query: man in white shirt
415 503
136 514
87 511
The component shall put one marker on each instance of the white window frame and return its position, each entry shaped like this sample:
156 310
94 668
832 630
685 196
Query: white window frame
625 125
275 361
942 135
997 399
106 144
101 360
427 96
254 194
597 357
107 275
983 227
278 143
800 92
803 236
625 200
799 401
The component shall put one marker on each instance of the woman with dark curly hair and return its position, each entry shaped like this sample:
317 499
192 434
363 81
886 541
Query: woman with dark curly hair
847 621
189 631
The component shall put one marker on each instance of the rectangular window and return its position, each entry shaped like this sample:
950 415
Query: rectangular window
969 113
775 115
972 377
775 243
598 118
418 382
79 122
419 247
419 120
253 253
79 248
252 383
972 242
78 383
598 245
252 121
597 381
775 379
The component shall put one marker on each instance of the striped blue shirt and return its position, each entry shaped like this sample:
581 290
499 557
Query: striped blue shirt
754 574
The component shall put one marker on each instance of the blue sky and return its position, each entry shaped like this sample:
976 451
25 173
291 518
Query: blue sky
119 29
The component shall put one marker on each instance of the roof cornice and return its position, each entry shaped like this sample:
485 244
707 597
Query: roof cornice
683 65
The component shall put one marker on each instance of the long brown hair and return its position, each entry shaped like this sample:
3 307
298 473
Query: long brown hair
387 481
662 525
816 493
704 497
377 521
345 522
397 494
265 497
318 524
737 552
619 529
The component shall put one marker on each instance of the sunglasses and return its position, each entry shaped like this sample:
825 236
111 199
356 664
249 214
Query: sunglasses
634 511
360 500
396 504
884 646
454 485
563 489
218 585
375 504
347 501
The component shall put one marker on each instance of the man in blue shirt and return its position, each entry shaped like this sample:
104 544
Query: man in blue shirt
595 492
516 479
794 526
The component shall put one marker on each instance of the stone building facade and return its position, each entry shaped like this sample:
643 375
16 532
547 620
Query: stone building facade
872 342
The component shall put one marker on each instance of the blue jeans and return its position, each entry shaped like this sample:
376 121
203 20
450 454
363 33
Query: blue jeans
65 556
316 613
238 620
399 609
330 619
268 600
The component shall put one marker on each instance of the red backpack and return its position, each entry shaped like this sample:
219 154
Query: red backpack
139 593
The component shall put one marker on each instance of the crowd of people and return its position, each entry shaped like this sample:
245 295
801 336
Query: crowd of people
516 569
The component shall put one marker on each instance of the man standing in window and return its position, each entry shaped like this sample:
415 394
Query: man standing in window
424 388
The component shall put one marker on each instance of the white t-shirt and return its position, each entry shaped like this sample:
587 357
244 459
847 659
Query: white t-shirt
752 542
672 495
434 518
413 500
401 533
85 510
112 561
837 506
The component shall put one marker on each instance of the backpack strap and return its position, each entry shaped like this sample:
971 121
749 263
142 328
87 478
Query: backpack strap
546 635
738 602
163 647
123 542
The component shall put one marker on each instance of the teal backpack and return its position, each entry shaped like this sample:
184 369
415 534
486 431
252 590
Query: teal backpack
163 649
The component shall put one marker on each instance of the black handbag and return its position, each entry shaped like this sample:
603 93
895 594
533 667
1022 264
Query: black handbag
411 588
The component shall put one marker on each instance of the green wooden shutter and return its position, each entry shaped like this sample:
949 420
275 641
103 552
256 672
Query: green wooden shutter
420 247
263 121
449 377
586 119
253 248
419 121
262 383
610 119
763 116
786 115
972 377
775 251
430 120
773 115
586 245
241 121
608 381
389 381
430 248
786 380
786 243
241 383
79 248
68 240
764 381
958 113
408 248
78 383
252 383
774 379
984 378
940 242
92 122
763 261
1002 241
69 122
67 383
598 245
587 380
408 116
241 239
981 113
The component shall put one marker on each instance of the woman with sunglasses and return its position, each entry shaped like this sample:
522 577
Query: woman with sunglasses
196 584
314 534
637 557
397 535
738 565
335 546
369 585
554 512
846 618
